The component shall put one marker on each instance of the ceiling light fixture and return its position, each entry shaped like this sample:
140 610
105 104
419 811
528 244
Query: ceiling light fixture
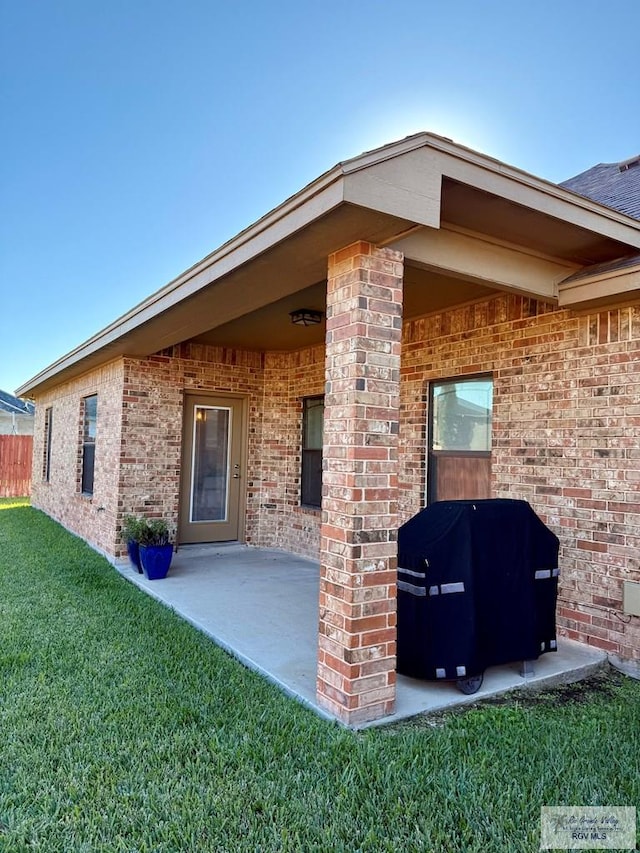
306 317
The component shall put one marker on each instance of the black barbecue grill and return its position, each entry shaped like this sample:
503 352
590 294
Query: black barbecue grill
477 587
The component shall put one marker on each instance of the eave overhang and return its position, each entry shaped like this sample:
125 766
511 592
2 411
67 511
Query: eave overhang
601 285
379 196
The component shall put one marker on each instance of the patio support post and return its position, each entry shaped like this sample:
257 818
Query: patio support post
358 555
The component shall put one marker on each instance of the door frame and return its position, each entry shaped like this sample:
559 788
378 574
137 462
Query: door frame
216 398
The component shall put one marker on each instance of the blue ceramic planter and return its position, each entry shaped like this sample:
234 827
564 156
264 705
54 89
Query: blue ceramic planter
155 560
133 550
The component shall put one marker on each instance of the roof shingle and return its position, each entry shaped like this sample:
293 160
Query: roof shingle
615 184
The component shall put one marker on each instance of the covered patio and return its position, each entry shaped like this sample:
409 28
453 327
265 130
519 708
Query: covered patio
415 268
261 605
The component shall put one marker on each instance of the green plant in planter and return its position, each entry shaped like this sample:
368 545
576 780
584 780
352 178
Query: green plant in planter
131 532
131 527
156 549
153 532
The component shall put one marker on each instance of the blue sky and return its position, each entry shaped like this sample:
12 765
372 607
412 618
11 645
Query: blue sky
138 136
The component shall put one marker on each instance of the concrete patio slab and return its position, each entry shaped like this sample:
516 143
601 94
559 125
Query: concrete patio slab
262 606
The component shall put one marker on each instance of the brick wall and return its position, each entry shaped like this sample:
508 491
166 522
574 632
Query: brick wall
93 518
139 441
565 438
288 378
150 457
273 385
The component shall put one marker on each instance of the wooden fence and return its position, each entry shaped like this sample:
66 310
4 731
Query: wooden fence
16 452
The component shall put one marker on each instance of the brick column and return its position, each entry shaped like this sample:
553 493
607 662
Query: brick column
356 658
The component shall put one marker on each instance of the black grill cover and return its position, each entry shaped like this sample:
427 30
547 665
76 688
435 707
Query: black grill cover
477 587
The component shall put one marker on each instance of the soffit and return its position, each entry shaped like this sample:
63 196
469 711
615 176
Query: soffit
287 268
270 327
284 269
506 220
425 290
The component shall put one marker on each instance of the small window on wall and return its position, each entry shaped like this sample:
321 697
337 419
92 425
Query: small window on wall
459 457
46 457
89 420
311 474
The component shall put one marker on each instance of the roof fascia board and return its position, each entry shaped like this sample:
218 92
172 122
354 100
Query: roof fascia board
250 243
388 152
461 152
314 200
478 259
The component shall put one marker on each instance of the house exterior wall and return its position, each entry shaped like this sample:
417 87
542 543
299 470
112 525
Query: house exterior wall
565 438
153 400
95 517
288 378
139 442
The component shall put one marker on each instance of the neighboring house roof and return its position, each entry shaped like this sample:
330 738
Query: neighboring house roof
471 222
615 184
14 405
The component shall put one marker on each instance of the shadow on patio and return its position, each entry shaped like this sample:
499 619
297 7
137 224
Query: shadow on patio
262 606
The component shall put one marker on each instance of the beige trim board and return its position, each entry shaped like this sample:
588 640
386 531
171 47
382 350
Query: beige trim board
484 261
614 285
409 187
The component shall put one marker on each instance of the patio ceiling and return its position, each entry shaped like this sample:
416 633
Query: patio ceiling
467 225
270 328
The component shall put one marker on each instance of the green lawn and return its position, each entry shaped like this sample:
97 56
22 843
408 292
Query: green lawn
124 729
